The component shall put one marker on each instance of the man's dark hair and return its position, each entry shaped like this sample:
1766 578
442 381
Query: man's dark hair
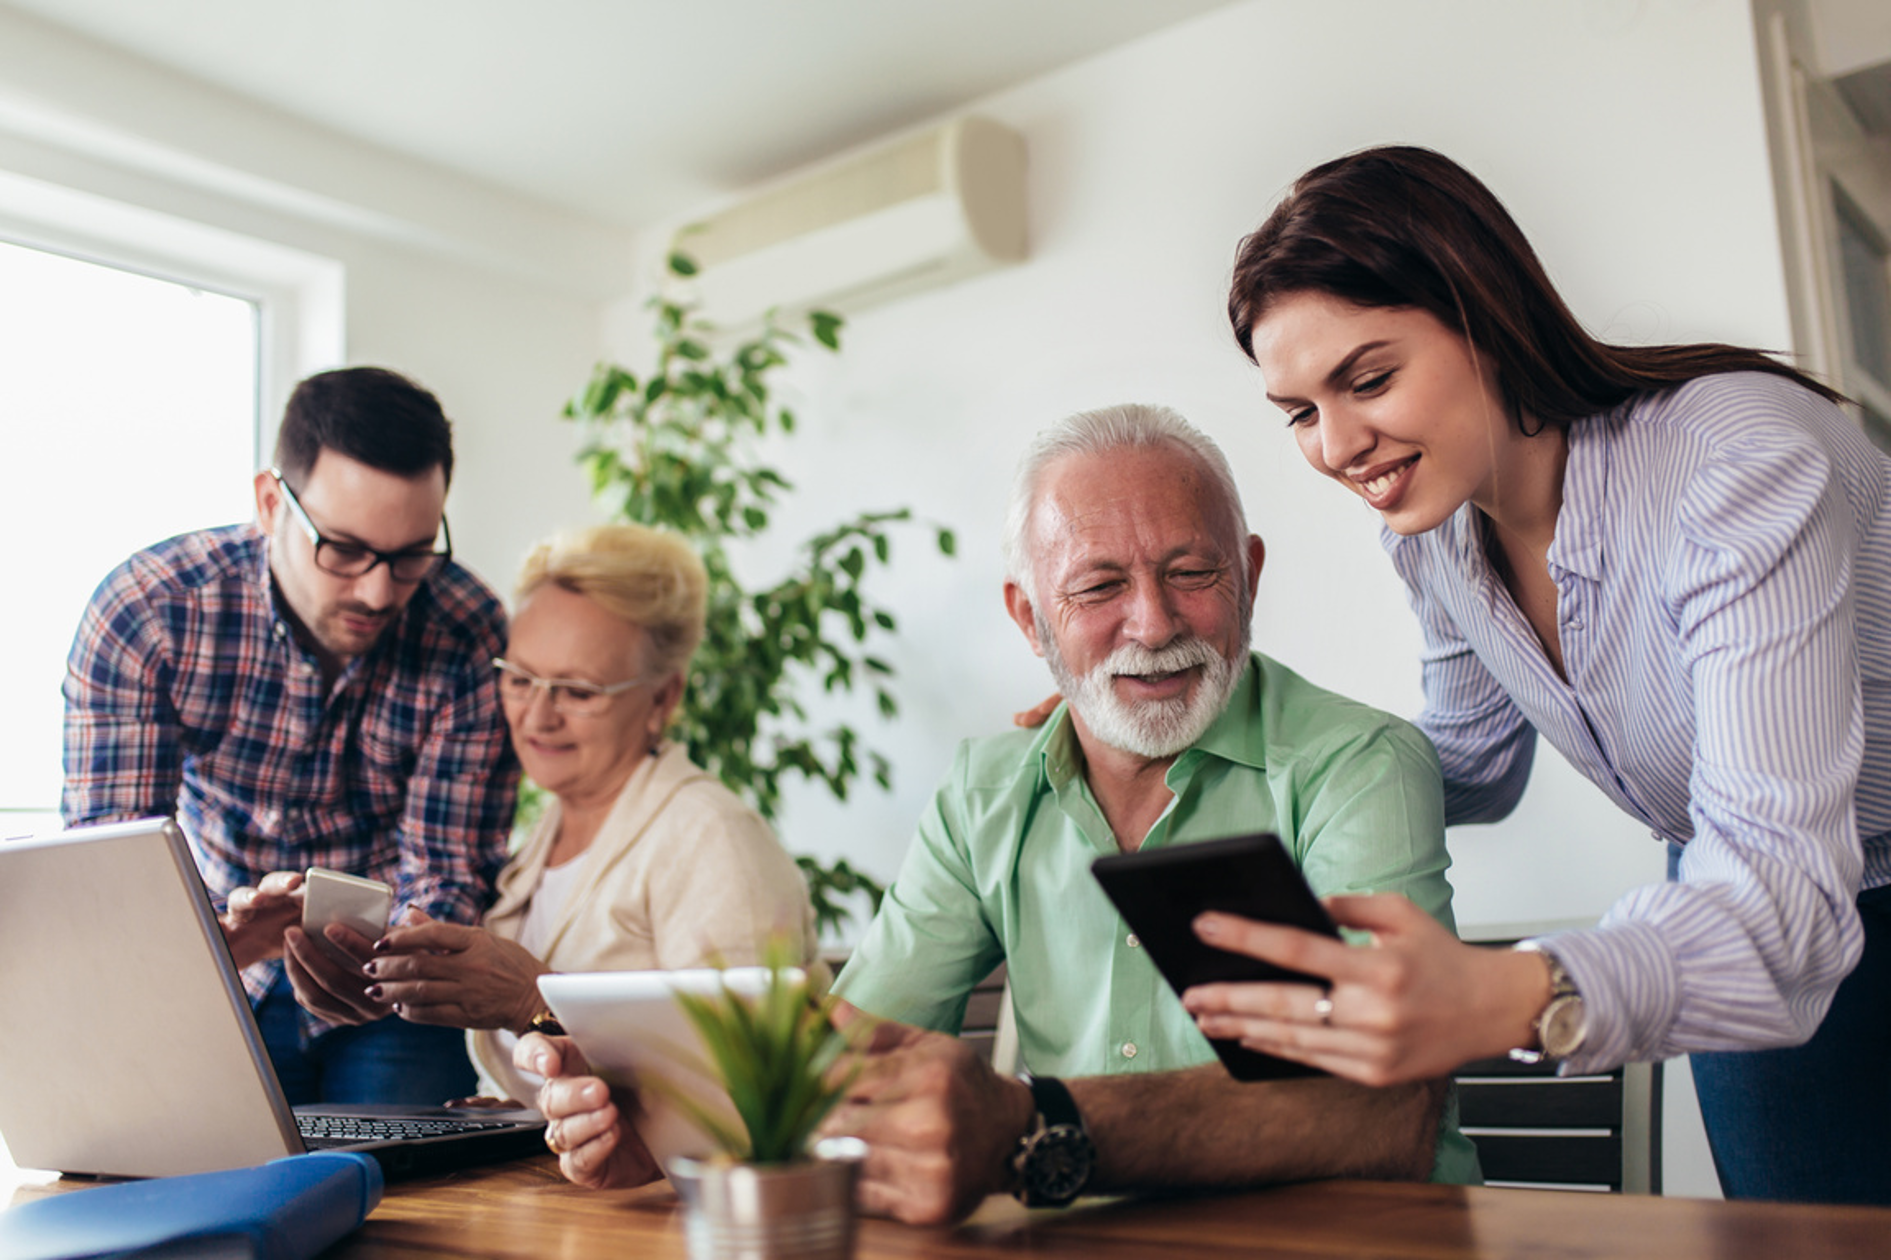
369 414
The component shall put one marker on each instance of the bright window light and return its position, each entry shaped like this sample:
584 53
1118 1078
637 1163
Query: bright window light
130 411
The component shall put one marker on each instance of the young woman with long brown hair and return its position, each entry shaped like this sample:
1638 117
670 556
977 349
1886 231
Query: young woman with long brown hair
1673 563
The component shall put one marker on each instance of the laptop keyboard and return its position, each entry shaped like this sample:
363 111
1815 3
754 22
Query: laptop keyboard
319 1132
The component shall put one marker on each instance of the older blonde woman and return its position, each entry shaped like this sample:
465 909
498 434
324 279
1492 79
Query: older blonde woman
642 860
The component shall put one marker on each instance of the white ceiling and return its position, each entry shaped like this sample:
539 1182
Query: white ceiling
627 111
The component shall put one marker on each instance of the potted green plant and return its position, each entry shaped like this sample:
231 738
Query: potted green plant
678 446
771 1190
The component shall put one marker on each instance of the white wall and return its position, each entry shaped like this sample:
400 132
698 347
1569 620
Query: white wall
1626 137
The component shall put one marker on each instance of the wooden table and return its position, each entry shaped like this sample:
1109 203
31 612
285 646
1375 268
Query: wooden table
525 1210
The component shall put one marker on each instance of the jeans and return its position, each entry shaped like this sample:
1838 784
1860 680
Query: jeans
1809 1124
387 1061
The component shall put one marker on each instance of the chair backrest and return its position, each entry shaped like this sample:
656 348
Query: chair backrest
1537 1129
989 1024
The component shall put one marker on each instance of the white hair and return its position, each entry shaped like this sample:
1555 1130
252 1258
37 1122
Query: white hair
1099 432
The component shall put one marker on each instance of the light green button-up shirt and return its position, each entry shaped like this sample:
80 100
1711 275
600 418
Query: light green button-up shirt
1000 872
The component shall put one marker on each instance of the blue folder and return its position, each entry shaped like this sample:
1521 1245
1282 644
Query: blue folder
287 1209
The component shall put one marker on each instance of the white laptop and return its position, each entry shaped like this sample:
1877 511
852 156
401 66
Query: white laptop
127 1044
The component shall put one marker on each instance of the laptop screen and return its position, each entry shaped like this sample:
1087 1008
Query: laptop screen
127 1046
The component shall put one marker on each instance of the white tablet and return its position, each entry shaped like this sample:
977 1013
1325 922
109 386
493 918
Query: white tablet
629 1026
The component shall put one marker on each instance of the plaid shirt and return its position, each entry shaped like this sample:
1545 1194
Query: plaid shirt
187 692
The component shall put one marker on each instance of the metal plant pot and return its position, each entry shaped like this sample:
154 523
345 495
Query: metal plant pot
801 1211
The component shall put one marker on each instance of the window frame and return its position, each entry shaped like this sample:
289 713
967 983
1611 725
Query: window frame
1823 154
299 299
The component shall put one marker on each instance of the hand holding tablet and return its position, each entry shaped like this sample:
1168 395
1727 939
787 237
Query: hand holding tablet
1161 891
630 1029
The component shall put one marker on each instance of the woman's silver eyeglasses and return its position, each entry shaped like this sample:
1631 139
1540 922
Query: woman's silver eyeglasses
568 695
347 559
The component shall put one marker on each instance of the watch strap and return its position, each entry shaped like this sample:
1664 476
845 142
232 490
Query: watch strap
1053 1162
1053 1101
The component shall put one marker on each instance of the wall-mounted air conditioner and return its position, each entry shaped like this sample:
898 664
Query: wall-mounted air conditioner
923 211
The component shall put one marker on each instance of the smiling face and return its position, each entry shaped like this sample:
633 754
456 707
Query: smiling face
1391 404
584 758
340 618
1141 605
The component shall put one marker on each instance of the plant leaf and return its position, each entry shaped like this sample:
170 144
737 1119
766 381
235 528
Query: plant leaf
825 326
682 446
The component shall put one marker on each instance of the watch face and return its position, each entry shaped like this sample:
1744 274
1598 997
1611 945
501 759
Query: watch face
1565 1024
1057 1166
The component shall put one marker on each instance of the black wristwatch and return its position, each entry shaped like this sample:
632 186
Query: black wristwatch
1053 1161
1563 1024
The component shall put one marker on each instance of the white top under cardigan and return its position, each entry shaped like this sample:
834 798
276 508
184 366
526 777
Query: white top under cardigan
682 874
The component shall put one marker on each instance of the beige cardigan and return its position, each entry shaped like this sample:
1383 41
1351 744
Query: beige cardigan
681 874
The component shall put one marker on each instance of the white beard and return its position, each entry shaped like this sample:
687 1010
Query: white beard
1153 728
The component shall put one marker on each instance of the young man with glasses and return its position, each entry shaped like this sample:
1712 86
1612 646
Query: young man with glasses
313 689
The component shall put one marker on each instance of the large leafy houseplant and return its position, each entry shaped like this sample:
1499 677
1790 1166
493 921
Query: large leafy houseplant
678 447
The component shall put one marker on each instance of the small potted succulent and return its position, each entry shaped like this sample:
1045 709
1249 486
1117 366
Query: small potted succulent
771 1190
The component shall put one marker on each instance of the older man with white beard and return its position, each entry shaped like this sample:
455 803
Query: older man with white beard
1132 572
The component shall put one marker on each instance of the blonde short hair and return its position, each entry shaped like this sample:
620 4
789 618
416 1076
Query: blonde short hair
649 577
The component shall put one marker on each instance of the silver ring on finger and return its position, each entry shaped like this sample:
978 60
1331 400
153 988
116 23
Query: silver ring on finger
1324 1009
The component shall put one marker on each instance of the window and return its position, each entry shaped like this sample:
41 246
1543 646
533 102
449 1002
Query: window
131 414
1831 139
1865 275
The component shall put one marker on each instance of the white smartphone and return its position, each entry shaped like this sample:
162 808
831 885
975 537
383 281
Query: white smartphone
361 905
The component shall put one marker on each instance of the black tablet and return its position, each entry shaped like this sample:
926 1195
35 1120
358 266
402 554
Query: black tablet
1160 891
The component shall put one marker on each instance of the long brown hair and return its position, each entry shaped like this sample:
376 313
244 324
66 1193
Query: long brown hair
1404 226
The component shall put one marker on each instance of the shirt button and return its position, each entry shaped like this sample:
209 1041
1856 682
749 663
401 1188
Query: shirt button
1133 941
1129 1049
281 630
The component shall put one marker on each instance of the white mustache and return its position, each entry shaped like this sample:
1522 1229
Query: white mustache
1133 658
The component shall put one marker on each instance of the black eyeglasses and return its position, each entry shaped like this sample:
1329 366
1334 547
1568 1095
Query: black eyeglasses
346 559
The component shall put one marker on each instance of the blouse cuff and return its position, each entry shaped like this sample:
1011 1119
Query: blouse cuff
1631 993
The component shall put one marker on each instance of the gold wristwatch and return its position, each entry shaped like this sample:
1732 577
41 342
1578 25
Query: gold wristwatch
1563 1023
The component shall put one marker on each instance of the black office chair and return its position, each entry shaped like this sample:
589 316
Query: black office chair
1534 1128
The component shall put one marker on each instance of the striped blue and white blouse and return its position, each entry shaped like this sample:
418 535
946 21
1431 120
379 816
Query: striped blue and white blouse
1723 571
